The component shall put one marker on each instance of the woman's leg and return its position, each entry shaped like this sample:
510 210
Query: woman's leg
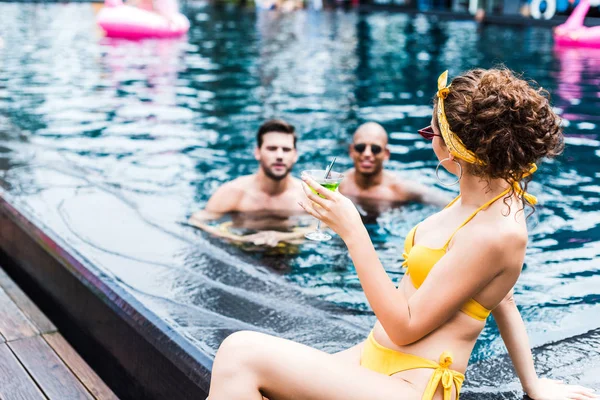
350 356
250 364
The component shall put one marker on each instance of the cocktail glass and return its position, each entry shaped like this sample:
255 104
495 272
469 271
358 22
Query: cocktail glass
331 182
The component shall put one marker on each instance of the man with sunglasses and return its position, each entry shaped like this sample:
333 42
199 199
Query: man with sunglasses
369 180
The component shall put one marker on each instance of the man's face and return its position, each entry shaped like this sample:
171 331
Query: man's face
277 154
369 151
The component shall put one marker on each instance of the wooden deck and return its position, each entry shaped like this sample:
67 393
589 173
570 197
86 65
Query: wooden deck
36 362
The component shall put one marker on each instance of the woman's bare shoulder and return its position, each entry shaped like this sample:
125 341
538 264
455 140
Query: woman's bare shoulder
504 241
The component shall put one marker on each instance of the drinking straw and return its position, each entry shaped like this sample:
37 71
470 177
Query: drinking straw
328 170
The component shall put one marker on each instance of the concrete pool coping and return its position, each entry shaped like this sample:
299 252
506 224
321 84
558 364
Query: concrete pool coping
158 362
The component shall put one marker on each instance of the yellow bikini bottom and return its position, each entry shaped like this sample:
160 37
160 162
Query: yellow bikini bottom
387 361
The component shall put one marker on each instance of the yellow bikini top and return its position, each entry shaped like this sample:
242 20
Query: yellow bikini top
419 260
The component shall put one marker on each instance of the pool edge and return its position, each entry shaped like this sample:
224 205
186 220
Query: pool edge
162 363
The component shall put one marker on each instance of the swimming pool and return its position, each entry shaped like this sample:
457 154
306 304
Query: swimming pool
112 144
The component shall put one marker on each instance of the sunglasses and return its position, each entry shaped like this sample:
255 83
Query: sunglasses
361 147
428 133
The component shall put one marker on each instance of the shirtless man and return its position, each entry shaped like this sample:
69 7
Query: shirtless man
271 188
368 179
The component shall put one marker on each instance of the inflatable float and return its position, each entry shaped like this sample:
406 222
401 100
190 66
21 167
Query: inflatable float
123 21
574 33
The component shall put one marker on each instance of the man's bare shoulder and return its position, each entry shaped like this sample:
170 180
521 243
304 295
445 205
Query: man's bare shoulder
395 182
349 173
296 183
229 195
295 180
242 183
348 181
409 190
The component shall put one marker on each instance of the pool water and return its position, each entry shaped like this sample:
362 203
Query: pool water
113 144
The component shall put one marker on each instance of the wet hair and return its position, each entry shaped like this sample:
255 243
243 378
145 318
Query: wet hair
507 122
275 125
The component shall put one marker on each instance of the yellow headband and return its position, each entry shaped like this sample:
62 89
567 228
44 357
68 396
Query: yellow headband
453 142
456 146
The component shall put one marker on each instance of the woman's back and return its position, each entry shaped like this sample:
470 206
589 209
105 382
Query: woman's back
442 231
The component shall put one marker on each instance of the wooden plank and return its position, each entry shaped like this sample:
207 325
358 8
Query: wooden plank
13 323
52 376
39 320
15 383
78 366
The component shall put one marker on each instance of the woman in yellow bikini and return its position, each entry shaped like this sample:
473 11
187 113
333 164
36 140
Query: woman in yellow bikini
488 129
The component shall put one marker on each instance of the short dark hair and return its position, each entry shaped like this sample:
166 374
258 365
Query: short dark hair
275 125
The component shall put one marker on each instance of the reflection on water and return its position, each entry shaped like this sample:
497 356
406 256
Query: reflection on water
579 83
112 145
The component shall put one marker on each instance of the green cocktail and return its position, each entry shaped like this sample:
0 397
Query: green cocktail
327 185
331 182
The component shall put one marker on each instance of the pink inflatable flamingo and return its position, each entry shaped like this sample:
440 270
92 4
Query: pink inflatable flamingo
122 21
574 33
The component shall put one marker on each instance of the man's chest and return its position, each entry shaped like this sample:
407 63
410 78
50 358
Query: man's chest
255 201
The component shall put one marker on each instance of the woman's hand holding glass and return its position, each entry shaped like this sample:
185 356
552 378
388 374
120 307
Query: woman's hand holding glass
332 208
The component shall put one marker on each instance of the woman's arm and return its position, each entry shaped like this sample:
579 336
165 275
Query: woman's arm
457 276
513 332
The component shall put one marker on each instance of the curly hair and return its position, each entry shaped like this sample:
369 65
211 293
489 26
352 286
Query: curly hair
507 122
